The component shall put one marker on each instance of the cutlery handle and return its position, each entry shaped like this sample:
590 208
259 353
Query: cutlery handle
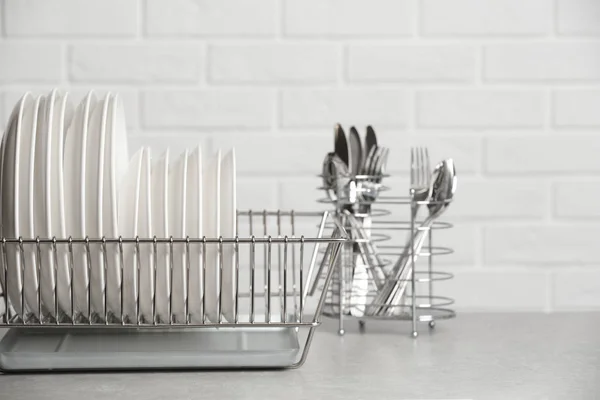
367 248
395 286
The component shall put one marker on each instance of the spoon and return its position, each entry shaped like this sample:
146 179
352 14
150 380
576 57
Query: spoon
356 151
370 142
341 145
441 192
335 177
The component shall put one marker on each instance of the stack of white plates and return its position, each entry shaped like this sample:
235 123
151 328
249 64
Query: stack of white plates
66 172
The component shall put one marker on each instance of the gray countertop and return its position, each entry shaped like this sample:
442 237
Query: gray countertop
476 356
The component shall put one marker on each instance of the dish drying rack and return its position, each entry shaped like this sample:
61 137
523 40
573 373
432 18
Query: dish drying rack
375 229
272 263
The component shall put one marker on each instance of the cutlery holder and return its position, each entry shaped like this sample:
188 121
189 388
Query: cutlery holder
273 264
371 252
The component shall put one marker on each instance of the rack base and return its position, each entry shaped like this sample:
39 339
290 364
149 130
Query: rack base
67 349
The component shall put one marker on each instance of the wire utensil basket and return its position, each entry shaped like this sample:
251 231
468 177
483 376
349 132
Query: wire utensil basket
272 262
365 262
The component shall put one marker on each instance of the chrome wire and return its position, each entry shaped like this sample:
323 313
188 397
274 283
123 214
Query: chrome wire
283 292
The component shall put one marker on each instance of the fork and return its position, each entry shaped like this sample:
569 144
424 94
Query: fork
420 175
420 180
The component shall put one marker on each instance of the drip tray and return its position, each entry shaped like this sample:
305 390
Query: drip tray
76 349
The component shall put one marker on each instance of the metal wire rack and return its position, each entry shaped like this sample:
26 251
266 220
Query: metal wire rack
366 260
271 269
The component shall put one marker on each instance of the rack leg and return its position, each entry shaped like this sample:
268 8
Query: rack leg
412 274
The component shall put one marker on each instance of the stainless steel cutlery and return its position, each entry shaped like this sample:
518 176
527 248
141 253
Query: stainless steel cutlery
352 177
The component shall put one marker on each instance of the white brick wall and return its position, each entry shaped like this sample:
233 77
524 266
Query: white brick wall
509 88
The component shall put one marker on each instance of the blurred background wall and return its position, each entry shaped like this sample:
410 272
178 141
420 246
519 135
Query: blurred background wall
509 88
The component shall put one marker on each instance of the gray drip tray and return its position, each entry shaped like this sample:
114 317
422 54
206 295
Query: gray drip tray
43 349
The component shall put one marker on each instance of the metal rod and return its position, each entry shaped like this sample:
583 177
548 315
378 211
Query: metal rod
279 264
285 269
187 280
71 283
236 253
302 290
137 279
89 287
220 284
104 283
430 265
313 259
22 297
155 272
55 272
171 263
268 288
293 250
252 278
203 274
5 290
121 270
412 272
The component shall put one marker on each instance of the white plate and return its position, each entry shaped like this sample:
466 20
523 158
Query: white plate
228 230
49 201
177 228
75 195
27 135
10 204
129 200
145 231
116 160
42 170
55 206
4 307
194 230
211 211
160 218
94 174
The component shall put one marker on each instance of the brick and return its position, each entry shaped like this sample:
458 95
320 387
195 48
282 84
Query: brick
492 199
138 63
480 108
577 199
325 107
273 63
541 245
576 290
464 150
578 17
343 18
209 18
492 17
576 108
30 62
207 108
255 193
568 61
72 18
391 63
286 153
301 194
497 290
453 238
545 154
